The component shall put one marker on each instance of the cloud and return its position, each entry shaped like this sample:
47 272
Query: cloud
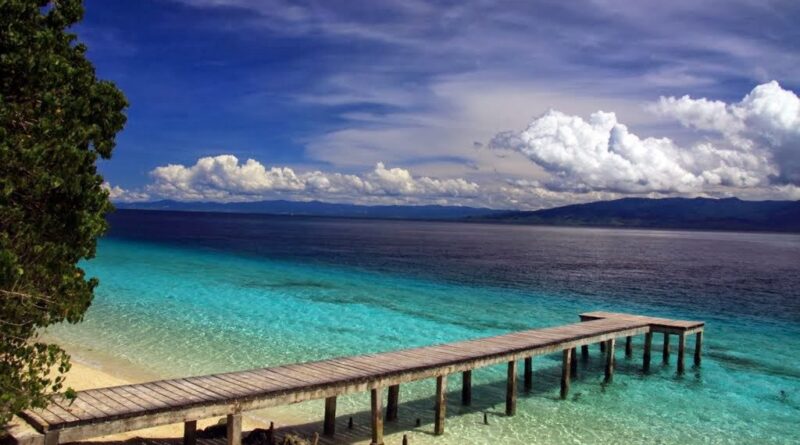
766 121
755 144
223 178
601 154
119 194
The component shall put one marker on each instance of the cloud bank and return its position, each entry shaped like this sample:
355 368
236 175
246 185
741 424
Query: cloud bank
749 149
224 178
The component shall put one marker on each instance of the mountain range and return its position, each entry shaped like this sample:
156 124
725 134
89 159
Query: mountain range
665 213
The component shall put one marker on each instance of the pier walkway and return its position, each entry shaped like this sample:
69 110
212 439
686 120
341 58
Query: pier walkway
125 408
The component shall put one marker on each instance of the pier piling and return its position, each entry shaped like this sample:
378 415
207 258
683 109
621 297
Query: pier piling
190 432
628 347
441 404
392 403
698 346
648 346
609 374
528 374
377 419
681 350
234 427
665 352
511 389
565 367
466 388
329 426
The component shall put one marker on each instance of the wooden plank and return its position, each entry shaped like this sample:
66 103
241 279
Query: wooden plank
98 404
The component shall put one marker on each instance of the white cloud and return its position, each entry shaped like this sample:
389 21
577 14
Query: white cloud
223 178
119 194
602 154
766 121
754 144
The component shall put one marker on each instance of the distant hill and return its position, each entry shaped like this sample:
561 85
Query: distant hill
315 208
672 213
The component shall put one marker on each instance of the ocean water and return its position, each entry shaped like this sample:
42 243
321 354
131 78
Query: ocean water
184 294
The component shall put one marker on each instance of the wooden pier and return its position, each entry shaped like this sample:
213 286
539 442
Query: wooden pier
104 411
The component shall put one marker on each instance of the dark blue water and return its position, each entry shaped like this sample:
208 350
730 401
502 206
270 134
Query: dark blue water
185 293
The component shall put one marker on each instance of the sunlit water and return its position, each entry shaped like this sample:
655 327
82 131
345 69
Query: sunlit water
184 294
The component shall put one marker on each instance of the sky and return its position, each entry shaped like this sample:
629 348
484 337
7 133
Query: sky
508 105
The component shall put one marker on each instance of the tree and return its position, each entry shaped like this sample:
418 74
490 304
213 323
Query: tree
56 119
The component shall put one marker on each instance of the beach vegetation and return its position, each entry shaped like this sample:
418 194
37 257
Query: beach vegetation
56 120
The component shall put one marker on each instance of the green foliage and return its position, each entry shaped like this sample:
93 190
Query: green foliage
56 119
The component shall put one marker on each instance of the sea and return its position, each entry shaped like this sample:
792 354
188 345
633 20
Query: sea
196 293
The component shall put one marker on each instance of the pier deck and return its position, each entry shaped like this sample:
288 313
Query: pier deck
125 408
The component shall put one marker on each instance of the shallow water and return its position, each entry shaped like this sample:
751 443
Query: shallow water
188 294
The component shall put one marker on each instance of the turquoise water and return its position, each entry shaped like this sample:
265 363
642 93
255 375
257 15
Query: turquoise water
188 307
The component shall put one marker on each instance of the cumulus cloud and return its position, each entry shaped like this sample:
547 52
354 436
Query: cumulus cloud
766 121
602 154
224 178
119 194
756 145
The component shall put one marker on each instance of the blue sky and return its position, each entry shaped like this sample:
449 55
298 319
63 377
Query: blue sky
463 103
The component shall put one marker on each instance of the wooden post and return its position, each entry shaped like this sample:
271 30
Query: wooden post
234 426
585 352
466 388
377 419
511 389
567 359
528 373
573 364
190 432
665 353
441 404
391 404
329 428
698 346
610 359
602 346
648 345
628 347
681 350
51 437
